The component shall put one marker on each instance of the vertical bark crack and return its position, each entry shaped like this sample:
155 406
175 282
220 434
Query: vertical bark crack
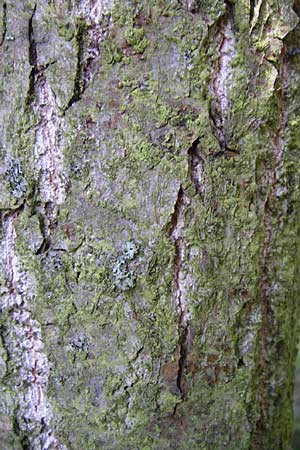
79 81
184 345
196 166
46 227
176 225
251 14
230 6
4 23
33 59
89 35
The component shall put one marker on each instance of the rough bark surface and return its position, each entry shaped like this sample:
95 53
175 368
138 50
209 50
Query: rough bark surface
150 223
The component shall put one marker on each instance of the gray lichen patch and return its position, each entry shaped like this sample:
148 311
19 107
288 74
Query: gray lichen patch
123 275
16 179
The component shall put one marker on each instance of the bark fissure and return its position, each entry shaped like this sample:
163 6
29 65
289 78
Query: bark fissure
176 225
184 343
230 6
196 167
45 229
251 13
79 81
33 59
88 39
4 23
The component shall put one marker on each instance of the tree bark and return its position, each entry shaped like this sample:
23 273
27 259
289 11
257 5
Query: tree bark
150 223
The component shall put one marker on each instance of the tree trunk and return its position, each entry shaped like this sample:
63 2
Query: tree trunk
150 222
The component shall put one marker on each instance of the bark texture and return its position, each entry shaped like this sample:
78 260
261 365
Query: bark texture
150 223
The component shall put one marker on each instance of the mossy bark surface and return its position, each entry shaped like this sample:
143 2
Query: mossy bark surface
150 224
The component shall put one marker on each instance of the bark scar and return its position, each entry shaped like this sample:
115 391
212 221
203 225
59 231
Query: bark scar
174 232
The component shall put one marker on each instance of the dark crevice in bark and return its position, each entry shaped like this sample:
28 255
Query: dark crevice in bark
231 11
296 7
45 245
79 81
4 23
136 356
33 59
32 43
182 363
216 121
196 166
241 363
178 205
5 213
17 430
251 14
44 67
218 130
47 221
231 15
26 444
193 6
88 39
